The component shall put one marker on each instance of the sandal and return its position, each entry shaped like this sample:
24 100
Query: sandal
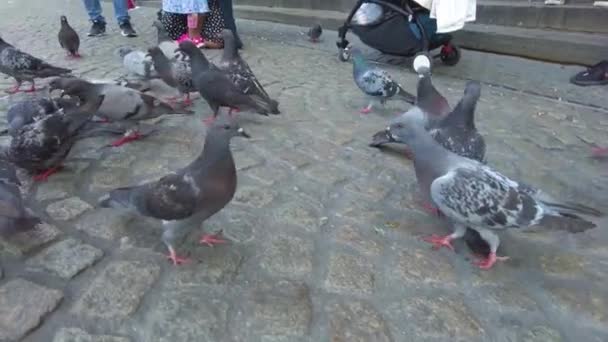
199 42
596 75
182 38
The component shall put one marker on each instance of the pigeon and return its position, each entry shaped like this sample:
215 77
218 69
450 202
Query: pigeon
472 194
455 131
177 73
28 111
41 146
120 103
25 67
375 82
185 198
161 34
314 33
216 87
241 74
136 62
14 217
68 38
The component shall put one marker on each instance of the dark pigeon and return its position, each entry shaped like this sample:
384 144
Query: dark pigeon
376 83
216 87
30 110
14 216
120 103
314 33
185 198
25 67
471 194
68 38
241 74
176 73
41 146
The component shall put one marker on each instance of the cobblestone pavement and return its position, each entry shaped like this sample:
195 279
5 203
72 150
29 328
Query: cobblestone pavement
325 232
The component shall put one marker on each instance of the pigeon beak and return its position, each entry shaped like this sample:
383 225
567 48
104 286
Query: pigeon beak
242 133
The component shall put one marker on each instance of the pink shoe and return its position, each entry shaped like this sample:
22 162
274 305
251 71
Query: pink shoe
199 42
183 38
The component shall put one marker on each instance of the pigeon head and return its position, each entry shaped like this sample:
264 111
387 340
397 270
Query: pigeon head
71 86
225 126
188 48
407 128
197 58
123 51
64 19
154 51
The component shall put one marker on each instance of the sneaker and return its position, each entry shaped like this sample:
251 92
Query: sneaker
97 29
127 30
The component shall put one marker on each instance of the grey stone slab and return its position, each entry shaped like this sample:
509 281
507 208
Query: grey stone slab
357 321
67 209
66 258
79 335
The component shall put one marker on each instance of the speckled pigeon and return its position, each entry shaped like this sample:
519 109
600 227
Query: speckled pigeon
375 82
241 74
314 33
68 38
27 111
185 198
471 194
25 67
216 87
120 103
136 62
176 73
14 216
41 146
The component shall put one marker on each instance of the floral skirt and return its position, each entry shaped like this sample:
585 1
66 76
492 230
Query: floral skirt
176 24
185 6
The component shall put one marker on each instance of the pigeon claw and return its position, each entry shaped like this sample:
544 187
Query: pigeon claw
127 139
440 241
211 239
366 110
44 175
599 152
209 120
14 89
430 209
489 261
175 259
32 88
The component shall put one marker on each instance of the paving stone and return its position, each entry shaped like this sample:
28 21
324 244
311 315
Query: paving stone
118 290
565 265
297 212
67 209
66 258
118 160
506 298
268 175
436 316
541 333
280 308
105 179
421 267
236 225
185 315
326 174
54 190
245 160
23 306
253 196
373 190
348 273
356 321
214 266
294 158
351 235
592 303
79 335
287 255
104 223
23 243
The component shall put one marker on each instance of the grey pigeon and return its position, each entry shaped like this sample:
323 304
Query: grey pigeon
241 74
25 67
14 216
41 146
216 87
314 33
455 131
177 73
28 111
471 194
120 103
376 83
187 197
68 38
136 62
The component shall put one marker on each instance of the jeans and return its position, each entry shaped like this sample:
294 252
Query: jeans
93 7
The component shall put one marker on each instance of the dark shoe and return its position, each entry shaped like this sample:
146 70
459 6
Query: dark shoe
97 29
596 75
127 30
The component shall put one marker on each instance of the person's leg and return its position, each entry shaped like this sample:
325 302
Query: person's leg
229 22
121 12
194 31
93 8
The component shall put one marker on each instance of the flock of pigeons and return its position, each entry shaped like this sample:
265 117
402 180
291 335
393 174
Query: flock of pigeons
447 150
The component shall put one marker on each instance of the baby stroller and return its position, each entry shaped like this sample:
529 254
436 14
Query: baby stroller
396 27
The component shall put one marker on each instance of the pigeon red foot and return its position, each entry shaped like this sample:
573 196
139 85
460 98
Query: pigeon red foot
599 152
132 136
440 241
429 208
17 88
44 176
211 239
73 56
366 110
175 259
489 261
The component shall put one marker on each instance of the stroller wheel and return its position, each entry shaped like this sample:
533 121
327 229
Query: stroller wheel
450 54
344 55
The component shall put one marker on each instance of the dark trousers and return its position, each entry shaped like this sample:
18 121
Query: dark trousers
227 11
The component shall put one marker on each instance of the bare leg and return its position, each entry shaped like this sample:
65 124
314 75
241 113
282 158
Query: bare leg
195 32
172 230
493 240
446 241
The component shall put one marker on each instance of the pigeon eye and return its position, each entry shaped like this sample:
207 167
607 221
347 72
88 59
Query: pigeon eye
226 127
